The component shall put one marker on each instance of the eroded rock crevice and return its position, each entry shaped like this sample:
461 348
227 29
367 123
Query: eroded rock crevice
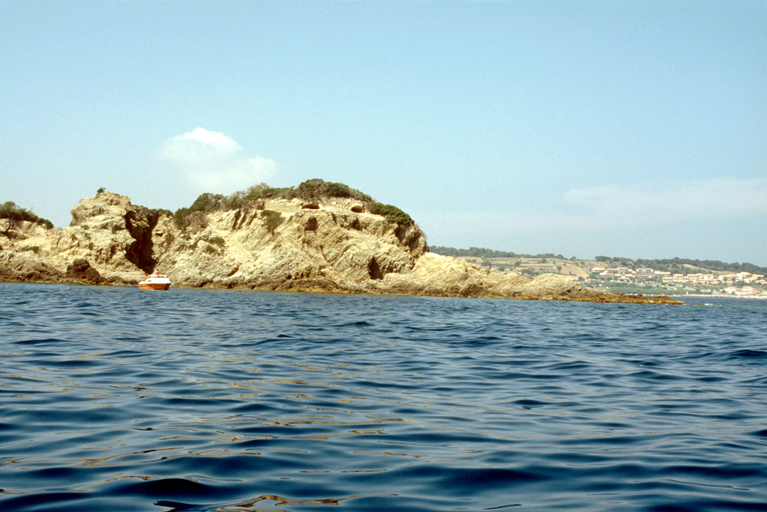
140 228
374 270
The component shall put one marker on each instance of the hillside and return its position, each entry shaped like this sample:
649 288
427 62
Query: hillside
316 237
675 275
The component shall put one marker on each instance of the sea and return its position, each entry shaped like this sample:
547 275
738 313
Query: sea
117 399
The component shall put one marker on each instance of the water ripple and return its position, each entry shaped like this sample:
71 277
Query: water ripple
116 399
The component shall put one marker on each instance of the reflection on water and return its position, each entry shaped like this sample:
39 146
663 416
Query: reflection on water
114 399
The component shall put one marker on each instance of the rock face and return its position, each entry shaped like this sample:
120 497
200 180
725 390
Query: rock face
273 244
81 269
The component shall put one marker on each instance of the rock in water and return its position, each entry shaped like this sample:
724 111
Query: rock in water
327 245
81 269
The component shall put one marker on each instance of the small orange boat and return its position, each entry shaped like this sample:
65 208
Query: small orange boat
154 282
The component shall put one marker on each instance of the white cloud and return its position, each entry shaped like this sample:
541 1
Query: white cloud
721 198
613 207
213 162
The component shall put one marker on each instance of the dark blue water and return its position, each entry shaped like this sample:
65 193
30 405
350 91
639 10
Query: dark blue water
198 400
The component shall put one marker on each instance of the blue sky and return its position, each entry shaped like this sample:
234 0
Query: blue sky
588 128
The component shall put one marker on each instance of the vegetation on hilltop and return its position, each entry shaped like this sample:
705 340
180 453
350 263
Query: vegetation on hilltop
391 212
717 265
482 252
310 190
317 188
674 265
9 210
684 265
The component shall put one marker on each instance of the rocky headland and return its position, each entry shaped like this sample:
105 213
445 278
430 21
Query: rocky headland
313 242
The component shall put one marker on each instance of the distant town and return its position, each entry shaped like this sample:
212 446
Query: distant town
670 277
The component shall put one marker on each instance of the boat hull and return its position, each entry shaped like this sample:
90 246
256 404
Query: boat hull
154 286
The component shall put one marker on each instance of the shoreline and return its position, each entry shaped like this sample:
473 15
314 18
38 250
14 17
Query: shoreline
620 299
709 296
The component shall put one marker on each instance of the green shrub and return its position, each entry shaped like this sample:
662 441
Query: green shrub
391 213
253 193
309 189
276 192
338 190
179 218
9 210
216 240
272 219
312 189
207 202
251 196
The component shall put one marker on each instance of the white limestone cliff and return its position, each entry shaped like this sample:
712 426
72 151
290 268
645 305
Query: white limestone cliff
274 244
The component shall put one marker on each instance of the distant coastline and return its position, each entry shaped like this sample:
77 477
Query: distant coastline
661 277
735 297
